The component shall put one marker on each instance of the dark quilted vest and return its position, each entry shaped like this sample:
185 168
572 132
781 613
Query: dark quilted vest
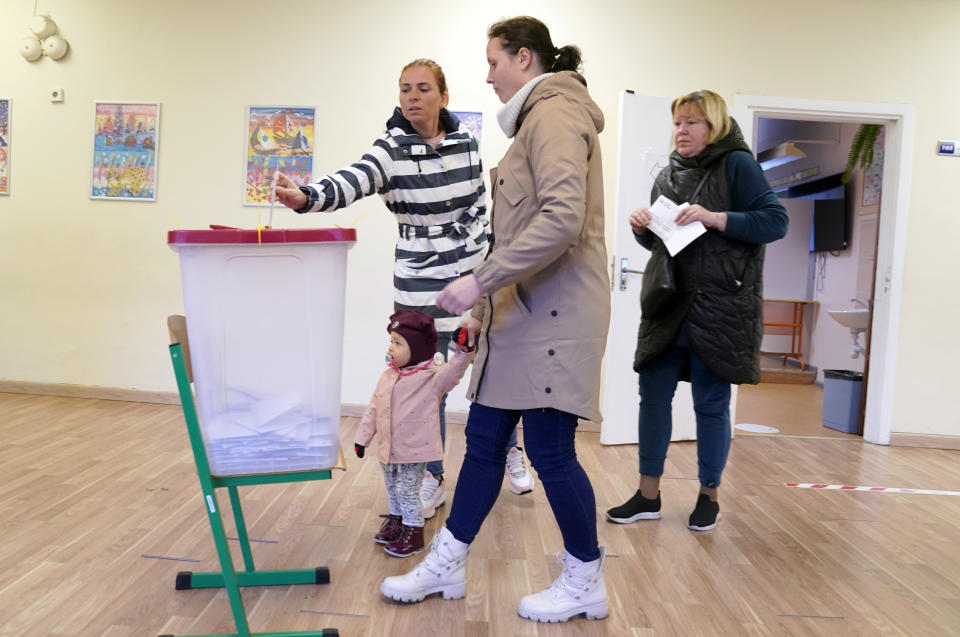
720 280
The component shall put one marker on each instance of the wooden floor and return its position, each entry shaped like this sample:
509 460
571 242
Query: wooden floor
792 409
100 507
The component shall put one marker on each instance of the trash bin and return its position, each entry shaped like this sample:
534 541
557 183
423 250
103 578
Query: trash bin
841 399
265 322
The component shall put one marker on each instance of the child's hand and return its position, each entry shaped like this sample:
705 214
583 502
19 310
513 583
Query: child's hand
465 336
463 340
359 449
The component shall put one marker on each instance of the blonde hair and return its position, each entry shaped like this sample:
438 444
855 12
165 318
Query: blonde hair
714 110
434 68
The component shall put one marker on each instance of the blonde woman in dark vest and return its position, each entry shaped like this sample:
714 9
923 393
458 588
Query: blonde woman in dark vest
709 332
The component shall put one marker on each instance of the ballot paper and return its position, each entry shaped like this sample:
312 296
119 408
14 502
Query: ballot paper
674 237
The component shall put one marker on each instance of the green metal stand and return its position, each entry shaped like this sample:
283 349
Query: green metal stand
229 578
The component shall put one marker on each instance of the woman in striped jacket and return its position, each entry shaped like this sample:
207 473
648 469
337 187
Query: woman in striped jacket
427 169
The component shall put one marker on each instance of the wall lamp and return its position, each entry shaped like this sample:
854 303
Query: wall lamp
44 40
780 154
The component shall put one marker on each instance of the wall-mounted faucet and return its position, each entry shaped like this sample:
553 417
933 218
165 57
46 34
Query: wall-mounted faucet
861 302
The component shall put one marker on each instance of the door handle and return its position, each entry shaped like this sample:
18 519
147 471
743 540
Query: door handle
624 271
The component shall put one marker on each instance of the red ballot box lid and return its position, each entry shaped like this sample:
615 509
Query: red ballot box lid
227 235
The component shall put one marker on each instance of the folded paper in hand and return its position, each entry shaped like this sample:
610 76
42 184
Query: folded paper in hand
674 237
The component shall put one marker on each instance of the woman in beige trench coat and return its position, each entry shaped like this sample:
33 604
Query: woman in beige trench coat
542 300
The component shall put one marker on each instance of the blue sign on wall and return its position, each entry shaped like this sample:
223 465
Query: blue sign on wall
947 148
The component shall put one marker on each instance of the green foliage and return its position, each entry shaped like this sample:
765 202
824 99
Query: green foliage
861 148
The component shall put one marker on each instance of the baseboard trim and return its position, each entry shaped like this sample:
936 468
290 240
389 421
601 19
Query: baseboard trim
790 360
928 441
89 391
349 410
354 410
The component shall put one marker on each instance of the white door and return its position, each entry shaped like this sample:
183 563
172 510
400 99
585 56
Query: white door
643 143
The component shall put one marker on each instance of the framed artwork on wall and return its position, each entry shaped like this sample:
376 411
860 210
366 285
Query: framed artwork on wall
4 146
472 120
277 138
125 145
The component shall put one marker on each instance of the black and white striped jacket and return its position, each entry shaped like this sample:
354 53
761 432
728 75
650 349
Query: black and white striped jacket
439 200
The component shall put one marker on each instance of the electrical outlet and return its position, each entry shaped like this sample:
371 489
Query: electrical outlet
56 95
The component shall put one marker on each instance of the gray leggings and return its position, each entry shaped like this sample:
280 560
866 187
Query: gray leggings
403 490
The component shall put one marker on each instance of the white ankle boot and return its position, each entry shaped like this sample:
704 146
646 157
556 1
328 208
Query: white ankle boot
579 590
442 571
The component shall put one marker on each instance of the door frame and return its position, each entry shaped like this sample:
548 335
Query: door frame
900 122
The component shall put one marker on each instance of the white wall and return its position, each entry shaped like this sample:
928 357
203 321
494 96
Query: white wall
85 285
785 276
785 264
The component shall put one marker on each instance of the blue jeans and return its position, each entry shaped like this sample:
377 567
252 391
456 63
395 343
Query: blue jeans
435 467
549 436
711 403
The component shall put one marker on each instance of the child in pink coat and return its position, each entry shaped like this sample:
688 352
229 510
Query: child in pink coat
403 411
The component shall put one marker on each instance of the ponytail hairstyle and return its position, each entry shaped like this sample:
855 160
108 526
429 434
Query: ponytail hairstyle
530 33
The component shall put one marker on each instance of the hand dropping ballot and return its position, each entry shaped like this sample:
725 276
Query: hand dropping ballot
674 237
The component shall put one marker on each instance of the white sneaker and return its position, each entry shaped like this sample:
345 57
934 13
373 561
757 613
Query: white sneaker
580 590
442 571
432 495
517 475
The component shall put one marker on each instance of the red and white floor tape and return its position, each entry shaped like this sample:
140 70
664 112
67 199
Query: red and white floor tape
843 487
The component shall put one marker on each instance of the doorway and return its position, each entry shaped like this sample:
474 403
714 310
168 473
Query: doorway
642 129
899 122
818 278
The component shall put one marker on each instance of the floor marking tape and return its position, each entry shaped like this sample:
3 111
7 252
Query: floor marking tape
843 487
812 616
327 612
251 539
167 557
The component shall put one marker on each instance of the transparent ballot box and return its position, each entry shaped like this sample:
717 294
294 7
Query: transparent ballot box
264 317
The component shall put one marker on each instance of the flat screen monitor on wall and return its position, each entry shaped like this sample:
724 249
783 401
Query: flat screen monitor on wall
831 227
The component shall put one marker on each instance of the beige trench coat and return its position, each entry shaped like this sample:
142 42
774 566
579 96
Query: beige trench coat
547 308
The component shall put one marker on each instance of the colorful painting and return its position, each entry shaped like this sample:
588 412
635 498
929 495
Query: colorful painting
278 138
473 121
125 143
873 174
4 146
